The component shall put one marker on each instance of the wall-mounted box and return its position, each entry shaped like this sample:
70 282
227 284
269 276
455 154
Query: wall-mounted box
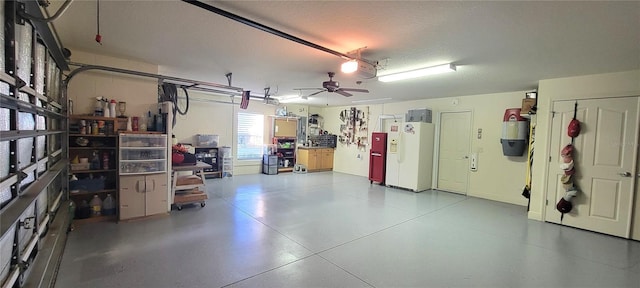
527 106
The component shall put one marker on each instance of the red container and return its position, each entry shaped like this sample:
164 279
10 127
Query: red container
134 124
512 114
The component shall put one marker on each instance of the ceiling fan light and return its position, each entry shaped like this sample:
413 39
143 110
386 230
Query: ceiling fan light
350 66
418 73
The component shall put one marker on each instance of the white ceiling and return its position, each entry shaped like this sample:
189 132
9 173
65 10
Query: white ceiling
497 46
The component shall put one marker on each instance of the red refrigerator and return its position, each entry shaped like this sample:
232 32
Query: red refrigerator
378 157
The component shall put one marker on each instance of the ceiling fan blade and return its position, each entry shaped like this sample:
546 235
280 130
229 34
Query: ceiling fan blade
355 90
341 92
316 93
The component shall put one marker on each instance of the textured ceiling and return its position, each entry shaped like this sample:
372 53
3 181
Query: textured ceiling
498 46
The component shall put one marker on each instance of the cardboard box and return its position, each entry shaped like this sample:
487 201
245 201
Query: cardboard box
527 104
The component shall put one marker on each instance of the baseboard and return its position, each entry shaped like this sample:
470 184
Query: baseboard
533 215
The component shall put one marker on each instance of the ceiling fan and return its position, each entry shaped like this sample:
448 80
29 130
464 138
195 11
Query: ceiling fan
333 86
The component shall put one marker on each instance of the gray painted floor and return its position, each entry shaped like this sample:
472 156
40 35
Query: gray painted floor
336 230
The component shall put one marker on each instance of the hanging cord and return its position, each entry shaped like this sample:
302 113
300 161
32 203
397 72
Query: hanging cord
186 97
575 114
98 36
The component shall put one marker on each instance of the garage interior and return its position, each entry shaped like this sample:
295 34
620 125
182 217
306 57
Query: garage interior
286 190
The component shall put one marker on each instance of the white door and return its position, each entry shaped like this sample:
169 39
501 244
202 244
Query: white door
605 151
392 128
635 229
453 151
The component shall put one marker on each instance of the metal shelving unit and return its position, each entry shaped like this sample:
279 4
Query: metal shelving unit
211 156
286 151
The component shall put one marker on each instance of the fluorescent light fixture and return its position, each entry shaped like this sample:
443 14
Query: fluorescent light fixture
418 73
350 66
370 100
287 98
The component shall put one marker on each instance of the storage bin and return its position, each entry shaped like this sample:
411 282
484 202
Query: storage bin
91 185
79 166
150 166
270 160
205 140
269 170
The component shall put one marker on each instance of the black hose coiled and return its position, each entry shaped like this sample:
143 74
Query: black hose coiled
170 93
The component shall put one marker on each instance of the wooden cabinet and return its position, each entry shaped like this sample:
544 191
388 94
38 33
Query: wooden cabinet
326 159
316 159
308 158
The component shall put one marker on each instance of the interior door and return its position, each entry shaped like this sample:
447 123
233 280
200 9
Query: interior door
392 127
454 151
635 229
604 158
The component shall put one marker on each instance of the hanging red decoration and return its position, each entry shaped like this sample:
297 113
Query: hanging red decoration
98 36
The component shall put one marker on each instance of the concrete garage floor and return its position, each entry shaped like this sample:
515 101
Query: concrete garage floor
336 230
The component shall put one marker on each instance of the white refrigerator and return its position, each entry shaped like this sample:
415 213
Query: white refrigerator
410 155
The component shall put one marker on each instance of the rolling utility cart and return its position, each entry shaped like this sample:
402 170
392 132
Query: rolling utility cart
189 189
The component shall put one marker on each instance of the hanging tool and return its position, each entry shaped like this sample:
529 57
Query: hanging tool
98 36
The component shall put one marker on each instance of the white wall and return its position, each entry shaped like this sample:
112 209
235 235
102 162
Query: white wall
618 84
141 94
206 118
220 119
498 177
348 158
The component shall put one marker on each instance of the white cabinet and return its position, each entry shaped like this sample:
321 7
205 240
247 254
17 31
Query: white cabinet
143 195
143 184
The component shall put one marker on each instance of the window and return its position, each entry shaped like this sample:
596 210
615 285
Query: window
250 136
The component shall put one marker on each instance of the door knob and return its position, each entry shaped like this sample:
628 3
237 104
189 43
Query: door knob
625 174
465 157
